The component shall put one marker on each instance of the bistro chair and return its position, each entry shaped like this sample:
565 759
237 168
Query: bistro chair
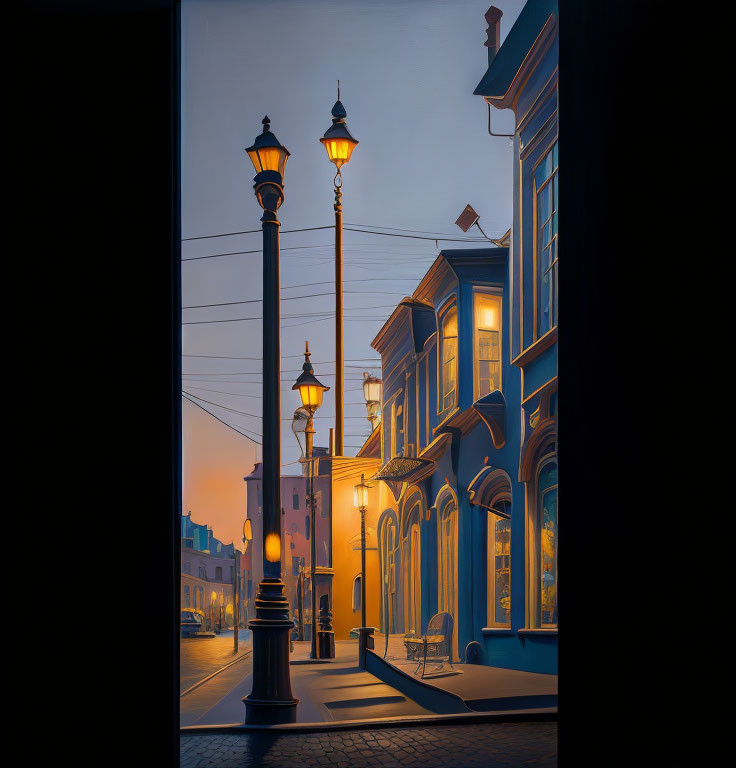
436 645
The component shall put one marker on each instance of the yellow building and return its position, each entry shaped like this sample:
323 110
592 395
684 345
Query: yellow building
346 472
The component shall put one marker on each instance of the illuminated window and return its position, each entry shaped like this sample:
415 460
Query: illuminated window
487 343
447 593
546 197
499 567
449 360
547 554
396 444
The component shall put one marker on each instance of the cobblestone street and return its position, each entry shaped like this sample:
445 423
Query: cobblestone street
455 746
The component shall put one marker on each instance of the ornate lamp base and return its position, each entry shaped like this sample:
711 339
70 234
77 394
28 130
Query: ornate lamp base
271 699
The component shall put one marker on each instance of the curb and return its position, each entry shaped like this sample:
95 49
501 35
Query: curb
401 721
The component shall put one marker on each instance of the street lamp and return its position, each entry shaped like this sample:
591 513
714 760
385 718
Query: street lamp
339 145
311 391
360 499
372 395
213 598
271 699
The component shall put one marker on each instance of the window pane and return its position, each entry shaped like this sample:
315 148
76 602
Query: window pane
502 561
548 543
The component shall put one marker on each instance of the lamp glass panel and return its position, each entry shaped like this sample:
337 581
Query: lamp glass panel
339 150
311 395
372 390
360 497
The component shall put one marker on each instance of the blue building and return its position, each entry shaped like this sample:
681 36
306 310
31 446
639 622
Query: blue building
469 361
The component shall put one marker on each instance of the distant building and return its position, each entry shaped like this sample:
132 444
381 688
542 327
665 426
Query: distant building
207 572
296 536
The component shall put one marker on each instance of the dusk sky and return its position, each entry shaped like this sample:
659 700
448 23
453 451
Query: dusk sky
407 70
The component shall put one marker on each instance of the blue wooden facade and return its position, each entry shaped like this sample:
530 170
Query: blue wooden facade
469 433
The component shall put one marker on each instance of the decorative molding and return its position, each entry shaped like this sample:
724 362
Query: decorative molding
492 410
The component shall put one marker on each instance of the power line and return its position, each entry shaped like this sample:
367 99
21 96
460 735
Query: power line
252 232
247 437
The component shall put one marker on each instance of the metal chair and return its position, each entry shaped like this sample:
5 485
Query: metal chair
436 645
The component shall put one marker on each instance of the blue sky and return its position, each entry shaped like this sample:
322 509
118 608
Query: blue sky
407 70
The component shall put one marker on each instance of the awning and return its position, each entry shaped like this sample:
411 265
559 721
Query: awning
404 469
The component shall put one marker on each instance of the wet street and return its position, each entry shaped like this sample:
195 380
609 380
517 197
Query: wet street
201 656
446 746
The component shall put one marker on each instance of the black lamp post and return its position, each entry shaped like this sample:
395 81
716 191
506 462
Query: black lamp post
311 391
271 699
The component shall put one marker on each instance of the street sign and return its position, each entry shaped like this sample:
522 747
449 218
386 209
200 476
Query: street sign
467 218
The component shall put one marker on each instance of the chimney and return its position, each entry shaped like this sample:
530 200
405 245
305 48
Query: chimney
493 17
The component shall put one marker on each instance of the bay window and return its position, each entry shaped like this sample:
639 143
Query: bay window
487 313
449 360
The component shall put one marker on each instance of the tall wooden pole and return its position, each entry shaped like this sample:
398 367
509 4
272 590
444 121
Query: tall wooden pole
339 397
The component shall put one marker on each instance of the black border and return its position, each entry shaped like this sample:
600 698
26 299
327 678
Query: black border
93 244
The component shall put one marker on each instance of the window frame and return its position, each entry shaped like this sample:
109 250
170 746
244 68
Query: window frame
550 458
536 243
448 307
498 295
492 518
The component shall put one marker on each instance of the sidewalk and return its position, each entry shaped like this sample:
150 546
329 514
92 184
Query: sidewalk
328 691
467 687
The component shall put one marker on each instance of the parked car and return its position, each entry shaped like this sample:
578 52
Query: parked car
192 621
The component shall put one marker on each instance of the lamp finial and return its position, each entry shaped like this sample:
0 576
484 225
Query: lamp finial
266 124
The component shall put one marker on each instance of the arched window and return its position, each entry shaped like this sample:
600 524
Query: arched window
411 563
449 360
356 592
447 592
547 521
499 563
389 559
186 596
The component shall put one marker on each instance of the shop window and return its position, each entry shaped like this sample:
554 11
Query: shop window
545 217
547 516
487 310
499 566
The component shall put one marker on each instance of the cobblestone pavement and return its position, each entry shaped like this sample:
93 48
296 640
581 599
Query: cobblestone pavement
201 656
485 745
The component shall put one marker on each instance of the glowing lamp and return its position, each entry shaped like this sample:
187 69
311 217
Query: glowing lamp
371 388
360 495
310 388
337 139
269 157
267 152
247 530
273 548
